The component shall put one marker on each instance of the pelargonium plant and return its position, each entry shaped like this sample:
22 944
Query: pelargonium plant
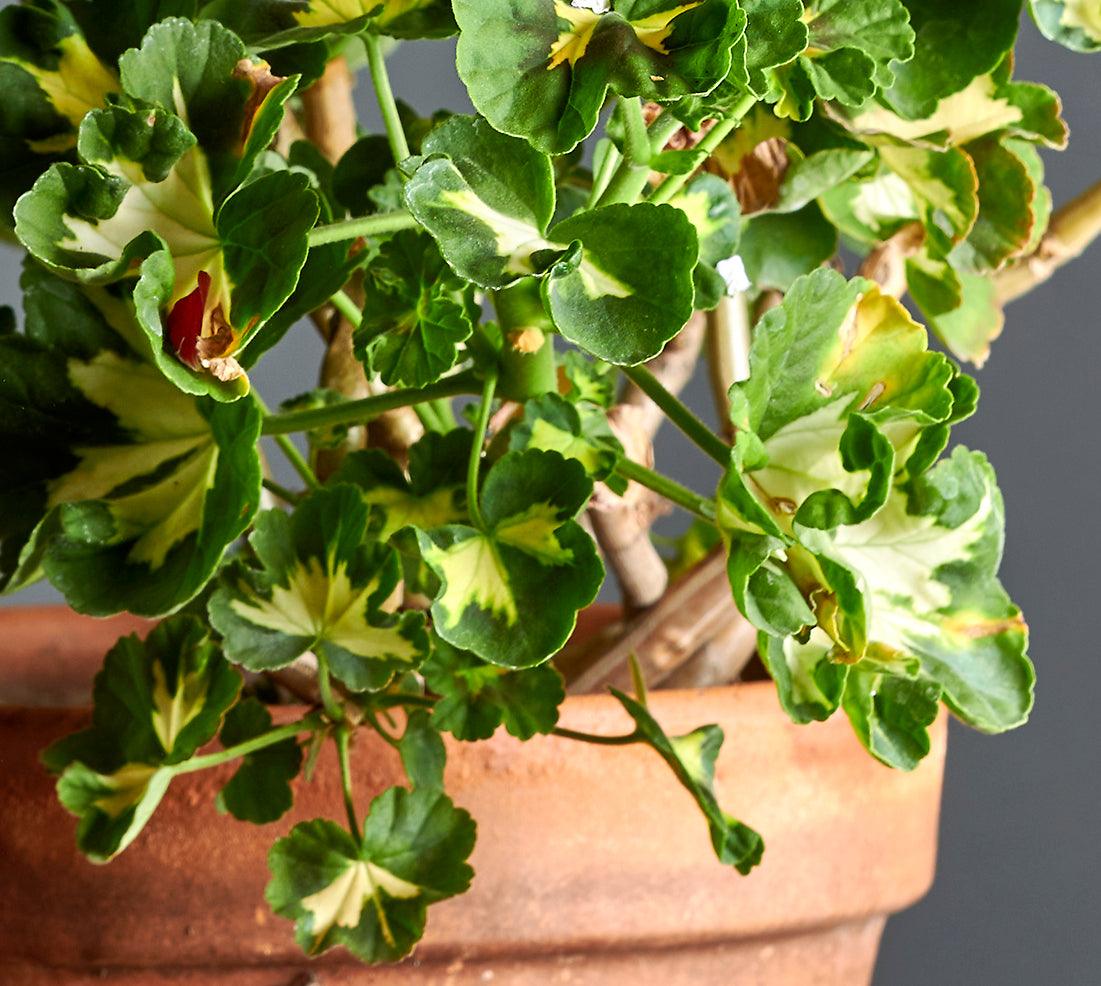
510 302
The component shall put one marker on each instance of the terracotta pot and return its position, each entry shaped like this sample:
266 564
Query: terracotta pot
593 866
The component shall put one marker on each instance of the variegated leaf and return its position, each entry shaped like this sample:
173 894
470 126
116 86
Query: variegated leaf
319 586
267 24
1073 23
123 489
692 758
510 593
564 57
50 78
617 281
156 703
371 894
216 260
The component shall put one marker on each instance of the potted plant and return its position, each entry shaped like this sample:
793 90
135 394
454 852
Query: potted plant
510 303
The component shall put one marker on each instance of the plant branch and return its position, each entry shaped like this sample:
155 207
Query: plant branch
395 133
310 723
679 414
697 607
350 229
284 494
715 136
474 466
633 173
728 341
357 412
333 708
573 734
1073 228
342 737
673 491
347 308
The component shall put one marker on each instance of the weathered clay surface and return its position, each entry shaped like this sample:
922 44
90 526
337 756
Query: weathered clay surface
593 866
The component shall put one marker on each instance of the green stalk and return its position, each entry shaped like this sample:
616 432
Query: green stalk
348 308
679 414
297 461
634 172
310 723
350 229
715 136
605 169
290 451
395 133
474 466
573 734
668 488
527 358
357 412
284 494
333 708
342 737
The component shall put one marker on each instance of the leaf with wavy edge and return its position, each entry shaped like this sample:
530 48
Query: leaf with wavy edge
371 895
562 59
319 586
511 593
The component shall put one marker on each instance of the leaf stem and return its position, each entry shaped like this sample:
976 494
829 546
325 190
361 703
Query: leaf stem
348 308
642 144
309 723
474 466
350 229
284 494
608 161
715 136
342 737
333 708
573 734
673 491
376 62
679 414
357 412
290 452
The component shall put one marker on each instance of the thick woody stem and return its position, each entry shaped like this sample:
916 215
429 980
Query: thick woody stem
622 526
728 339
695 610
886 264
1073 228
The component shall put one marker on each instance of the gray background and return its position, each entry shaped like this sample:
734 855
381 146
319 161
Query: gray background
1015 901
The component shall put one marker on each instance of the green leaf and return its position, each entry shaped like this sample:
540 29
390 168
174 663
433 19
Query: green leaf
50 79
1076 24
961 308
692 758
617 281
422 751
577 431
493 598
852 49
778 248
124 489
588 380
371 896
563 59
713 210
319 586
955 44
476 697
891 715
775 34
112 27
431 494
415 316
156 703
260 789
269 24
